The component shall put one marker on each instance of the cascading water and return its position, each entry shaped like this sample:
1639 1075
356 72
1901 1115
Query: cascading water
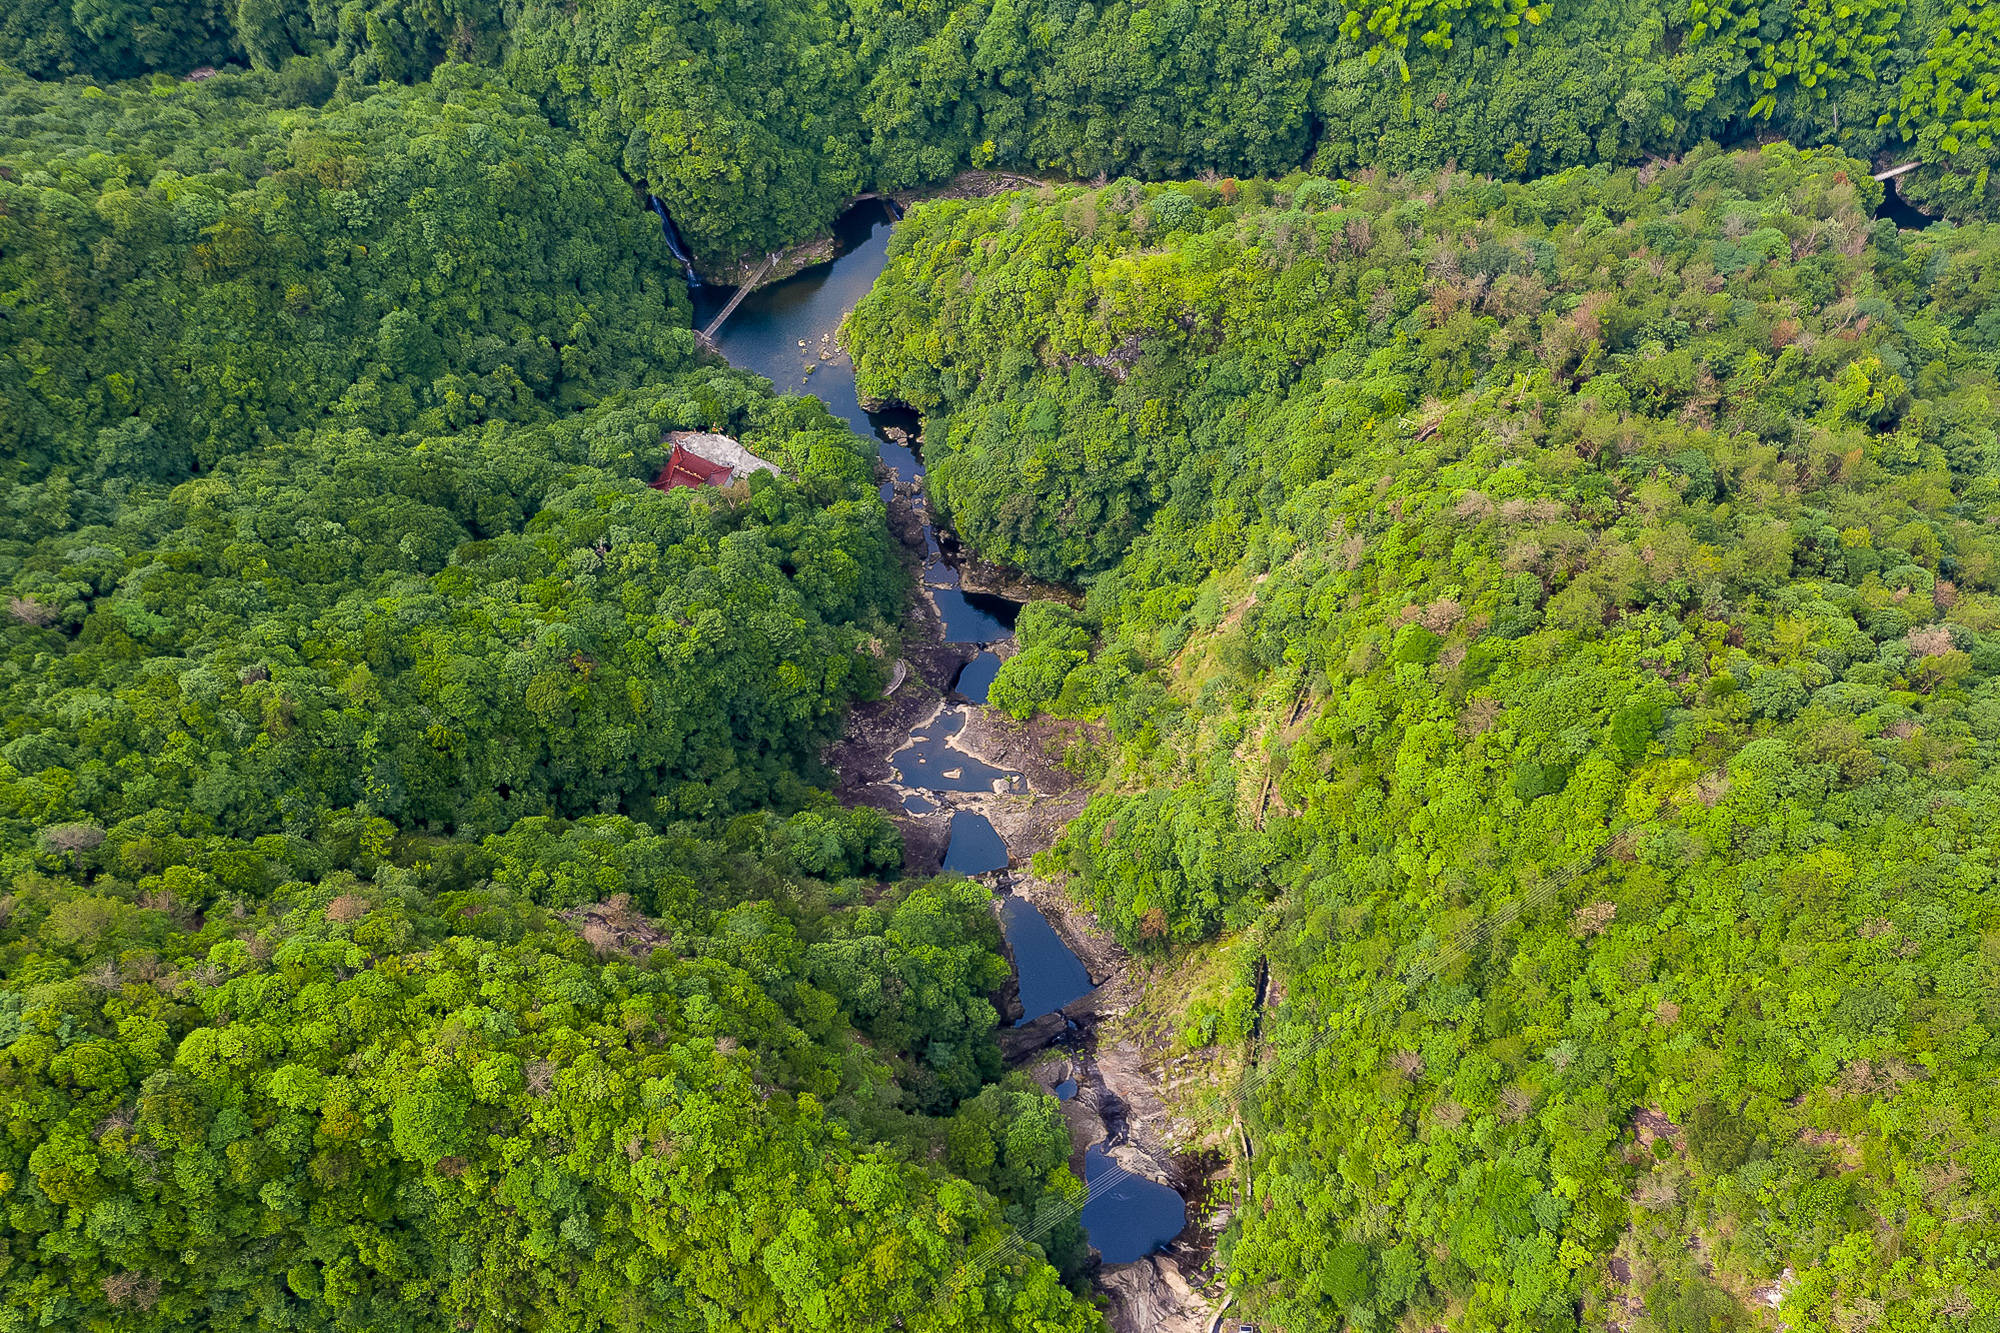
675 246
786 331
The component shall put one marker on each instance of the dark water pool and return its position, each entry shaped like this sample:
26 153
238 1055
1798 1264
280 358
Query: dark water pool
1065 1089
1133 1217
765 332
1897 210
969 617
975 847
1050 974
930 761
975 678
974 617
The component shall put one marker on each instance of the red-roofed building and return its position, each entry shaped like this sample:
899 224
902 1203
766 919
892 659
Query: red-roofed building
703 459
687 468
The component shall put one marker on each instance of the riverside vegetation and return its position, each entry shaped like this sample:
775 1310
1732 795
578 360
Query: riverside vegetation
1626 535
419 911
419 902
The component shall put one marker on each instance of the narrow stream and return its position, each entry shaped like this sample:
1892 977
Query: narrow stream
785 332
675 246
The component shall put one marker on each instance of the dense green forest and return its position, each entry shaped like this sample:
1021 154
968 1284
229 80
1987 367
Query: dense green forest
1609 559
1539 591
756 122
419 911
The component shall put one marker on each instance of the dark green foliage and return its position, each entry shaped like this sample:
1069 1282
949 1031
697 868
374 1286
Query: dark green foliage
418 911
1560 625
419 906
450 632
1719 1139
756 124
915 977
193 272
755 128
1692 1304
396 41
1011 1139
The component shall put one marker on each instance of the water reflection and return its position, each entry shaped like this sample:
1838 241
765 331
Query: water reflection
785 331
975 678
1051 976
975 845
974 617
930 760
1133 1217
1898 210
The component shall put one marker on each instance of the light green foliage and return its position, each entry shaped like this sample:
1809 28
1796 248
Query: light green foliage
1611 548
1803 51
390 1101
1391 25
418 911
1052 646
1950 102
418 906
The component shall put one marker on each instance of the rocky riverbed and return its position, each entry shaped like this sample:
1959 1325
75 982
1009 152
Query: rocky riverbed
1114 1099
972 789
1112 1103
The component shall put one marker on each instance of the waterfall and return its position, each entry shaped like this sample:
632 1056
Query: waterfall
674 242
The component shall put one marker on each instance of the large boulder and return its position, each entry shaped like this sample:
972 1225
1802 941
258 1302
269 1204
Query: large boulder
1150 1295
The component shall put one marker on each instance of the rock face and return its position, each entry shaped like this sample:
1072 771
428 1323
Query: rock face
1138 1121
1149 1295
1018 1043
1116 1103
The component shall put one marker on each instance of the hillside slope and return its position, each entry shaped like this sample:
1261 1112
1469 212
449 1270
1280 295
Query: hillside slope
1565 620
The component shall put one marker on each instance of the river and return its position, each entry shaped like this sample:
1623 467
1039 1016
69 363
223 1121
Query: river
787 333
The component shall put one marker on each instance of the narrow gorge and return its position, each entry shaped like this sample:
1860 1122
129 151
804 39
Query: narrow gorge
978 794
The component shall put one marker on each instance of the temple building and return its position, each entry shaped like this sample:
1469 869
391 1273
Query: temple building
702 459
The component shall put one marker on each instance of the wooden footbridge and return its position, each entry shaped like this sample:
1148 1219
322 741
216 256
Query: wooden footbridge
706 337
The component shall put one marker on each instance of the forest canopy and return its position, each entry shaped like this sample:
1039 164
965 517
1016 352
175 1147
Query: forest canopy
1560 624
419 908
757 124
1529 566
